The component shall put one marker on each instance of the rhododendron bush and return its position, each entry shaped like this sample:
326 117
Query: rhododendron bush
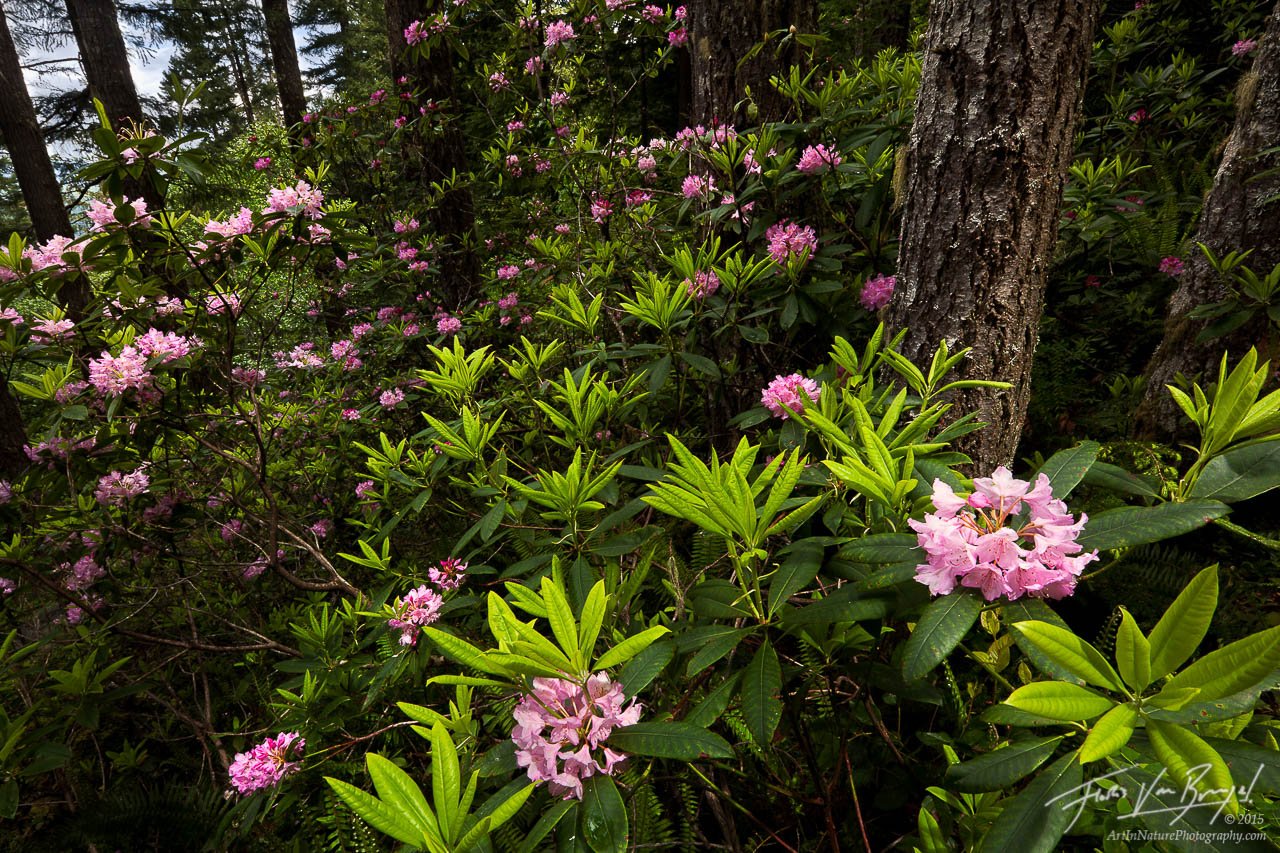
644 535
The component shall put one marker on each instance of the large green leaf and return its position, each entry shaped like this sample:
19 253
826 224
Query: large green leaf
1109 734
1036 610
1107 476
1180 630
1059 700
603 816
1126 526
400 792
1034 821
942 626
712 643
1001 768
644 667
1240 474
1133 653
883 548
794 573
761 684
1233 668
630 647
1066 468
670 740
377 814
1069 651
1193 763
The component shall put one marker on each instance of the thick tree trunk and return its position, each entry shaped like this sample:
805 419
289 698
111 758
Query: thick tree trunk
31 164
1236 217
105 59
284 58
443 152
721 33
990 146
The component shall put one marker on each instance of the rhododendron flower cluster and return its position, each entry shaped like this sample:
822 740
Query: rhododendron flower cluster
114 375
703 284
415 609
816 159
222 303
300 198
559 32
789 392
448 575
1243 47
983 541
877 292
103 214
166 346
788 240
561 729
117 489
267 763
235 226
1172 266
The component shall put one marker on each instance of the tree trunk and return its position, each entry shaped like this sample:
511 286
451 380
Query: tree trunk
989 150
284 58
721 33
20 128
235 44
105 59
1236 217
443 153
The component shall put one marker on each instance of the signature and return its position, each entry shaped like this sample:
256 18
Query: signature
1153 797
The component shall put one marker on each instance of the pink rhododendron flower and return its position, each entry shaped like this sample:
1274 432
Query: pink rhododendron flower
1243 47
449 573
116 489
415 33
300 198
254 569
365 488
816 159
448 325
1172 266
262 163
266 764
114 375
167 346
877 292
47 330
600 210
223 303
415 609
559 32
103 214
390 399
508 271
678 37
1138 116
7 586
704 283
561 729
697 186
789 392
787 240
235 226
985 542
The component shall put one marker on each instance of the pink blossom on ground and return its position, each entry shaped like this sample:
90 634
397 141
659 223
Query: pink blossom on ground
449 574
816 159
266 764
982 541
114 375
415 609
561 728
789 392
1172 266
877 292
788 240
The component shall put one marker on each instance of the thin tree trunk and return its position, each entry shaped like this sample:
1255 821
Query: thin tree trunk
284 58
20 128
235 39
105 59
1236 217
991 142
721 34
443 153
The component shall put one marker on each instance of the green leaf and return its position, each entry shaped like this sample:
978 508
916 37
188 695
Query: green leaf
712 643
761 682
1066 468
670 740
1070 652
1113 477
1133 653
9 798
400 792
1233 668
1182 627
1109 734
593 611
603 816
1036 610
1035 820
644 667
942 626
461 651
1001 768
930 832
376 813
533 838
560 615
1059 700
1187 756
1172 700
1126 526
1240 474
630 647
796 571
446 781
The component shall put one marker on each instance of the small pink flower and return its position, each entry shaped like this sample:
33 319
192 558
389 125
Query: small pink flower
448 325
1243 47
262 163
266 764
788 241
792 392
391 398
1138 116
449 573
678 37
412 611
817 159
1172 266
877 292
559 32
704 283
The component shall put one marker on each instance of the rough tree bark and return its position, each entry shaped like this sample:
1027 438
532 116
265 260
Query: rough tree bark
992 139
105 59
443 153
721 33
284 58
1235 217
